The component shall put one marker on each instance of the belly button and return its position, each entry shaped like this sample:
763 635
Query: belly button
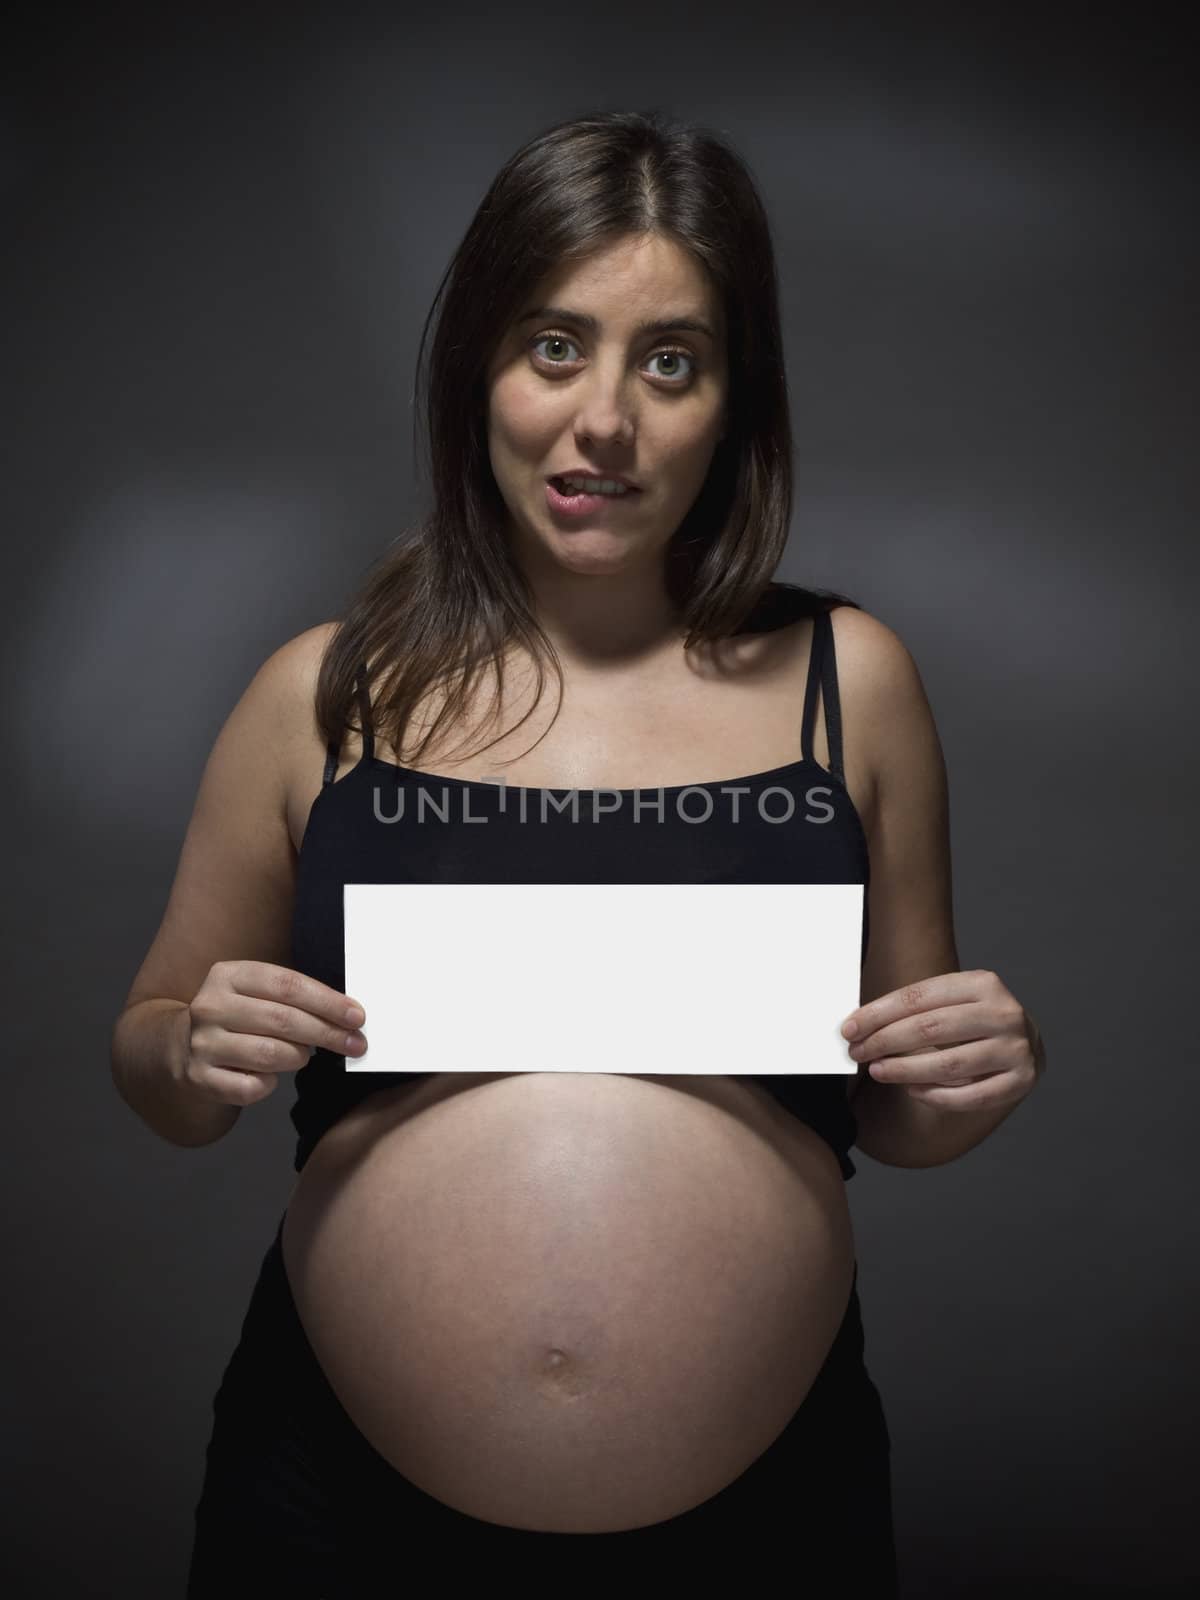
559 1374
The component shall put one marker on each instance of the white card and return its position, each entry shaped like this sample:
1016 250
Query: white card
612 977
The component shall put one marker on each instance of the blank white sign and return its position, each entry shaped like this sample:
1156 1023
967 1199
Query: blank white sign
614 977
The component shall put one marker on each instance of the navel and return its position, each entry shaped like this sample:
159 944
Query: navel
560 1374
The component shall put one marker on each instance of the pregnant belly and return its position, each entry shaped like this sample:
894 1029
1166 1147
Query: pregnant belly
570 1302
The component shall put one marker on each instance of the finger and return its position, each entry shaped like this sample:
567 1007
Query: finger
977 1096
930 1030
947 989
264 1034
274 1019
235 1085
260 980
936 1068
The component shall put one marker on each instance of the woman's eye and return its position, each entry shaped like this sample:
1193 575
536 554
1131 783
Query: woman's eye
675 356
669 354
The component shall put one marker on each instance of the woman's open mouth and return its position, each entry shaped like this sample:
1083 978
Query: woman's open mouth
571 502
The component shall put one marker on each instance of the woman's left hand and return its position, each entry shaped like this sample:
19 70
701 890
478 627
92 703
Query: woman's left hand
960 1041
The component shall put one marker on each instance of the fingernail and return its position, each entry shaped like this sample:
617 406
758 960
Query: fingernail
850 1028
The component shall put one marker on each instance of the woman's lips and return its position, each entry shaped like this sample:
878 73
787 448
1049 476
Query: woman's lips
585 505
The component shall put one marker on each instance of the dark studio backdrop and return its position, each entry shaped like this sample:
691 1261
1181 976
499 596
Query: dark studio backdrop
221 239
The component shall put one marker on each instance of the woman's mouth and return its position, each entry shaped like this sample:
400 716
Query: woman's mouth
571 502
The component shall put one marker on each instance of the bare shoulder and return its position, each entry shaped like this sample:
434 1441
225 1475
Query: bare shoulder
864 644
885 712
885 706
876 662
279 707
296 665
305 650
302 750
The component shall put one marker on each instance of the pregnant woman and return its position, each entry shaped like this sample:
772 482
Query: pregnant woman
559 1322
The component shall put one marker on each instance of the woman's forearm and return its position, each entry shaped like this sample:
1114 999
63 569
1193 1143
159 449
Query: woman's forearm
903 1132
148 1044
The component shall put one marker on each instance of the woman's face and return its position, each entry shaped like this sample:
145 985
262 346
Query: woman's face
646 406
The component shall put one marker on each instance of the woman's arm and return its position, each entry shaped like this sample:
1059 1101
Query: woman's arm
148 1045
910 896
231 898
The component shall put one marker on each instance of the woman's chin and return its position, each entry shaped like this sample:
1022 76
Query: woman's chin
593 551
593 556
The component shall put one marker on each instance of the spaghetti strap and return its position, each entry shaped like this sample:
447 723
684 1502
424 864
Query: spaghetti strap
333 749
833 706
364 711
332 752
822 669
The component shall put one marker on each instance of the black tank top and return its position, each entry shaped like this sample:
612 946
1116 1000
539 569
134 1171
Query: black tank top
372 826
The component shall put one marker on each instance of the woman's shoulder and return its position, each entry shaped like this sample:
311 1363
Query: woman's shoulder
860 637
296 664
867 648
293 669
782 604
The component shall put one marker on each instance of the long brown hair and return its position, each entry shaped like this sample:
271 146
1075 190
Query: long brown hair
447 600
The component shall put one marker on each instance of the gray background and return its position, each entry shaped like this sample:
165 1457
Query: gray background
220 245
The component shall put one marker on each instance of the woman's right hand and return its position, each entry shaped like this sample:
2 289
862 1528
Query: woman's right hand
251 1020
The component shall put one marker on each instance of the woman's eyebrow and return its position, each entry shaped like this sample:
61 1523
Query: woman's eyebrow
671 324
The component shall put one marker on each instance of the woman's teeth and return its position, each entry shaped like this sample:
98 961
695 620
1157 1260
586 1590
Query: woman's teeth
592 486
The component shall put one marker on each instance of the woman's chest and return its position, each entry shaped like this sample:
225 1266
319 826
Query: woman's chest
658 733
